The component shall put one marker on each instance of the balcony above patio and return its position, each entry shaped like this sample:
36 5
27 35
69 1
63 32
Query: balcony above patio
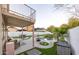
18 15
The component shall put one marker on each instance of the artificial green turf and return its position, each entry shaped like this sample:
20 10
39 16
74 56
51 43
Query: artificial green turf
49 51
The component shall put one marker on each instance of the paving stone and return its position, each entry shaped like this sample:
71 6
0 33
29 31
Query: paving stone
34 52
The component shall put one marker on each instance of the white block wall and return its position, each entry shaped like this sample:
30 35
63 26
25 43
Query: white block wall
74 39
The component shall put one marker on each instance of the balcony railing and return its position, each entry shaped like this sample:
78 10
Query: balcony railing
21 10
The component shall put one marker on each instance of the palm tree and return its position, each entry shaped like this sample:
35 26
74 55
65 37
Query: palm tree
56 33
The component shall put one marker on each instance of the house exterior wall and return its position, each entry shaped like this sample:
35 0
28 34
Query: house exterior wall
74 39
30 28
1 32
4 6
27 28
12 29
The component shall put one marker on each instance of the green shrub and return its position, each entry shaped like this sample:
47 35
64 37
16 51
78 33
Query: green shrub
62 39
44 43
48 36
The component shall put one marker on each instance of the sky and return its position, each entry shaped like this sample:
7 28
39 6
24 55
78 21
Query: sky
47 14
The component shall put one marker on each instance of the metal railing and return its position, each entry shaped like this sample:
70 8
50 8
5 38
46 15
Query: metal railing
22 10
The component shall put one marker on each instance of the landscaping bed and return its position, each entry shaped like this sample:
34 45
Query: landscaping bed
44 43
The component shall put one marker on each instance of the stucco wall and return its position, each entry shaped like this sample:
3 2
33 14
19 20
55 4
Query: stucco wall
12 29
74 39
1 34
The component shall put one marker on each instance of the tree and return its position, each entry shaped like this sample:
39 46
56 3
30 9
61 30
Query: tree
48 36
63 29
55 31
73 22
51 28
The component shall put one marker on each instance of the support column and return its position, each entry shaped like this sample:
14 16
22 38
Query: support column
6 33
33 35
22 33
